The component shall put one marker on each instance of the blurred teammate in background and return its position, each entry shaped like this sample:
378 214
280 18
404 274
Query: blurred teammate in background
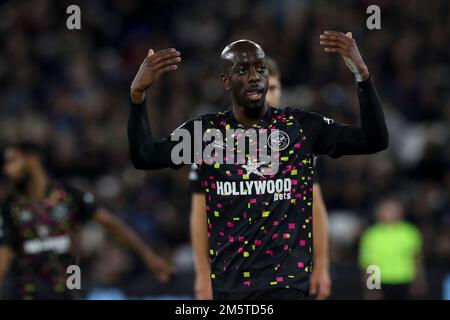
320 283
393 245
39 223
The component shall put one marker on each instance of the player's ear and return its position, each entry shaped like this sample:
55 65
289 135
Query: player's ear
225 81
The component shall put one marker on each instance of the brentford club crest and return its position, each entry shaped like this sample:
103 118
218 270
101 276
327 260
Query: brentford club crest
278 140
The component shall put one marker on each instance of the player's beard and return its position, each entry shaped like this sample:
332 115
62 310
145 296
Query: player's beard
252 109
254 112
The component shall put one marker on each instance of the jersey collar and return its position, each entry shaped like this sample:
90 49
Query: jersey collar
264 122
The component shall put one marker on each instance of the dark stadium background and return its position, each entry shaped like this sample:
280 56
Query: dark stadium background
68 90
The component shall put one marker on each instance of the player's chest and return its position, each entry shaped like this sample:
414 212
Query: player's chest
262 153
52 215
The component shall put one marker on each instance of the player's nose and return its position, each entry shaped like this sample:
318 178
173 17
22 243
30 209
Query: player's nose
252 75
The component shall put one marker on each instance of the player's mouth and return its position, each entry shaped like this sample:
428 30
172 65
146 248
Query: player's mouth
254 94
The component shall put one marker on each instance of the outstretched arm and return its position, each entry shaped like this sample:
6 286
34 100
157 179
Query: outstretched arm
117 228
145 152
335 139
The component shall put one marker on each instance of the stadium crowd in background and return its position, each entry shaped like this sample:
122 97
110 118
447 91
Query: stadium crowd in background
66 90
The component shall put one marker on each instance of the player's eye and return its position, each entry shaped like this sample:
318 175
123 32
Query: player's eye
242 70
262 69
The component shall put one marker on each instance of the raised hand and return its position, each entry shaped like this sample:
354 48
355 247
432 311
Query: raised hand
153 66
345 45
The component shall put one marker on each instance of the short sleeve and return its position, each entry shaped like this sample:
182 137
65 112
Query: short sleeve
84 202
316 171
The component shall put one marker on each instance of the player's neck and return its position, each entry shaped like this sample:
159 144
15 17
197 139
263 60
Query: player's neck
249 117
36 185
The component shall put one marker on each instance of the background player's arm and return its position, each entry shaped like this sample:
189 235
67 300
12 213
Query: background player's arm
336 139
156 264
8 242
144 151
200 241
6 257
320 283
